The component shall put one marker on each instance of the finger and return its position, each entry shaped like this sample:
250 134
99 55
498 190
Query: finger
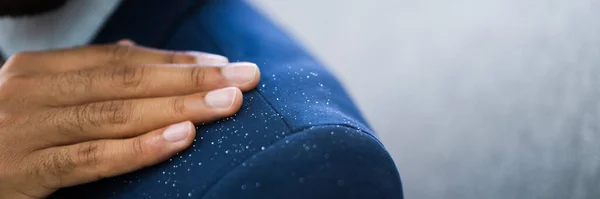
143 55
91 161
101 84
128 118
62 60
126 42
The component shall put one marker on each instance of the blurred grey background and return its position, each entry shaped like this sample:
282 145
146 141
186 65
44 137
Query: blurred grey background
473 98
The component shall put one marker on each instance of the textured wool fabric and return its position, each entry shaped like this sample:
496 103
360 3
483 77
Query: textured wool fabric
298 135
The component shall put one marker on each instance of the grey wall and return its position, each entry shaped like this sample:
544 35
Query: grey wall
474 98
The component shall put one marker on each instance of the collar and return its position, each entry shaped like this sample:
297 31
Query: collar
76 23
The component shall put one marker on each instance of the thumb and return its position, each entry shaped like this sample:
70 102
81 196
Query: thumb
94 160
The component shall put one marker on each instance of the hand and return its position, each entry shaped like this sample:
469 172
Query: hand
78 115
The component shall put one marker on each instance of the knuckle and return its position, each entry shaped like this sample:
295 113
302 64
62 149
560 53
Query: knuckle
82 117
69 121
72 83
127 76
137 146
64 86
170 57
90 153
83 79
197 77
115 112
181 58
56 119
118 52
178 105
56 165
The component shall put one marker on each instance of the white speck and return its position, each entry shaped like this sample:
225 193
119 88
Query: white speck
173 184
287 141
227 151
332 132
263 85
262 148
199 163
190 194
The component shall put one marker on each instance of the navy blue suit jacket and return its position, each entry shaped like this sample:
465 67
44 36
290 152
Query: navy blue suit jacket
298 135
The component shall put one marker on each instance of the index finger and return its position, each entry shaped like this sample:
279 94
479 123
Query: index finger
64 60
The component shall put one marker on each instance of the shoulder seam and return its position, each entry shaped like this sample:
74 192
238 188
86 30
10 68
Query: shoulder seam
209 188
286 123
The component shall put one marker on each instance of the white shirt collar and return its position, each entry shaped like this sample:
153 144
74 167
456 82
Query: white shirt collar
76 23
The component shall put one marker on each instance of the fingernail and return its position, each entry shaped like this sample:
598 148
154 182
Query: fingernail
240 73
207 58
222 98
126 42
177 132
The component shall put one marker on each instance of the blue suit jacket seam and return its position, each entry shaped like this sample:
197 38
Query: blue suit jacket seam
292 133
220 50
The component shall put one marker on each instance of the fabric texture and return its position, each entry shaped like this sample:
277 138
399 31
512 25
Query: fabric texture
298 135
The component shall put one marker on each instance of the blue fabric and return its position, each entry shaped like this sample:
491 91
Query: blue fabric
298 135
